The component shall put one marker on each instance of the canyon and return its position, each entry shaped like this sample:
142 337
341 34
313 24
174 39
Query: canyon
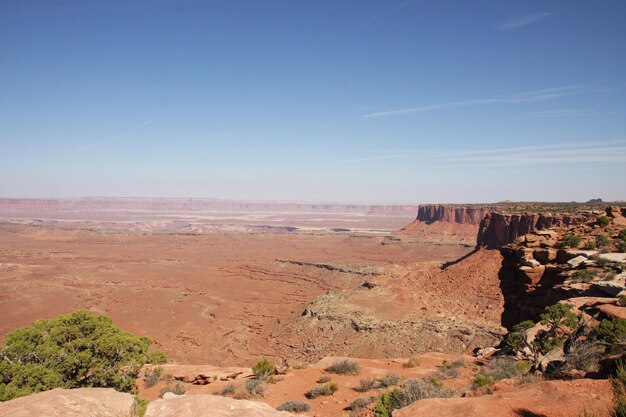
226 283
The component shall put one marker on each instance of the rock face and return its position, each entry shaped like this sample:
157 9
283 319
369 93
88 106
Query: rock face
202 405
548 398
499 229
430 213
81 402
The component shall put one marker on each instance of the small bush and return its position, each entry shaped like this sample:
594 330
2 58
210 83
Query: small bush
263 368
412 362
603 221
503 368
622 301
360 403
481 381
156 357
255 387
142 405
412 390
152 376
389 380
229 389
611 333
571 241
178 389
584 355
322 390
449 370
583 275
602 240
621 246
323 379
294 406
344 367
600 261
590 245
622 234
366 385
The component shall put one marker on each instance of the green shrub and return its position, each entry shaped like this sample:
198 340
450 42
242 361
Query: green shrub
322 390
178 389
411 390
515 339
611 333
482 380
263 368
603 240
603 221
142 405
590 245
323 379
80 349
622 234
344 367
583 275
571 241
621 246
294 406
156 357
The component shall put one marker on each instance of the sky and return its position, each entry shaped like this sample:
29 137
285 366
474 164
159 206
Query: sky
396 101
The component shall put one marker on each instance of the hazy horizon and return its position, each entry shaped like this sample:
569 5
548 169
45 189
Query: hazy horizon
359 101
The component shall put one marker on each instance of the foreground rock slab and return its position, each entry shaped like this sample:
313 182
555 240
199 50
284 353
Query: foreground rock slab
548 398
80 402
203 405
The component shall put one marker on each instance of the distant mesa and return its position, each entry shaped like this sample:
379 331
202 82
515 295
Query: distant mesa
594 201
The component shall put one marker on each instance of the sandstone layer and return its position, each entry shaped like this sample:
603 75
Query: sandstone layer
81 402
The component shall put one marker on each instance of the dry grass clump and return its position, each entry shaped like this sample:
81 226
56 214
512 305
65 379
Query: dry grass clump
294 406
412 362
449 370
152 376
344 367
178 389
322 390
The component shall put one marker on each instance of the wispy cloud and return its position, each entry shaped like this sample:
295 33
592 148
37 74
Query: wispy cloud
120 135
526 97
560 153
523 21
366 21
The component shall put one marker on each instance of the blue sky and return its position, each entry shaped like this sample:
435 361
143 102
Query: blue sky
366 101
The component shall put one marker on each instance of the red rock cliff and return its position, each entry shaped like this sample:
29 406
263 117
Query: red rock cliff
498 229
430 213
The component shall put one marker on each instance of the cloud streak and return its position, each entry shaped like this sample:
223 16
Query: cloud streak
120 135
366 21
526 97
523 21
561 153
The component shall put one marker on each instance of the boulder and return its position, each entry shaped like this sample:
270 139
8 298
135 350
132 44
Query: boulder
204 405
80 402
575 262
532 274
614 257
547 398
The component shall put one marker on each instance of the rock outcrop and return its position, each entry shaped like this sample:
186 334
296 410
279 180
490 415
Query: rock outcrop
80 402
430 213
499 229
203 405
548 398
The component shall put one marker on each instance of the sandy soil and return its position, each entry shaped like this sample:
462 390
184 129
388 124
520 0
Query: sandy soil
211 298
